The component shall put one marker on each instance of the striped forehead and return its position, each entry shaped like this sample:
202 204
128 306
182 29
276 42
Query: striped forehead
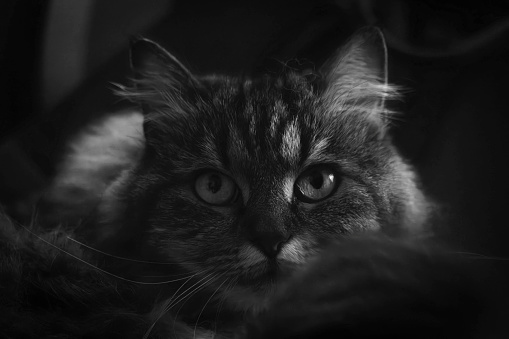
262 122
266 130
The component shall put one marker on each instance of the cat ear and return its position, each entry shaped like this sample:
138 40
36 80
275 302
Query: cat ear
356 77
162 87
150 59
161 82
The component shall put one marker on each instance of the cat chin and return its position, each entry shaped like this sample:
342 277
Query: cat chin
255 296
250 301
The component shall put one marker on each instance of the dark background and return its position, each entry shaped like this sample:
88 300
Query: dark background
452 58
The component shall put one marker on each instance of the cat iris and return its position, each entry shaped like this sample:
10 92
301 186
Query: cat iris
216 188
316 184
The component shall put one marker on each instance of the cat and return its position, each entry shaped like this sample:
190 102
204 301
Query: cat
227 188
247 176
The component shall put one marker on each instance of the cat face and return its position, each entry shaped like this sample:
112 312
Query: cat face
244 179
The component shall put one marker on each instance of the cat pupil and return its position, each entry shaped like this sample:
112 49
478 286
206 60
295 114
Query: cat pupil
214 184
316 179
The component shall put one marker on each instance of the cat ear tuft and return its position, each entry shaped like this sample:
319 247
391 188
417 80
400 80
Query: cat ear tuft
356 77
150 59
161 83
162 87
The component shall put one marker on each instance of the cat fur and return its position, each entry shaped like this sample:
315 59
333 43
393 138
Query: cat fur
136 168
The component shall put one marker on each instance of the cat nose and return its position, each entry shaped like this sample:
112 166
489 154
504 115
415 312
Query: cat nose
270 243
267 232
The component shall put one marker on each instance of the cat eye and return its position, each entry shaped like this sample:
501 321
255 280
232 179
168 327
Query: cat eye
216 188
316 184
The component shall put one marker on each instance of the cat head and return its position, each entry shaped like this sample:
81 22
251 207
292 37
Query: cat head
246 178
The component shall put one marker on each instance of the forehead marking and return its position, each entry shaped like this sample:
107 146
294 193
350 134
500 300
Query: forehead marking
318 149
288 188
250 114
278 111
209 148
290 143
236 148
274 121
252 127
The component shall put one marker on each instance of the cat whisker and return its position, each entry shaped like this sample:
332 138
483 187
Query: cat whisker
183 296
480 256
165 275
165 308
168 303
94 266
206 303
123 258
230 286
192 290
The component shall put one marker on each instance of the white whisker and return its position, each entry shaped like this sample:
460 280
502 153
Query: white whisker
164 275
126 259
167 303
481 256
184 296
206 303
230 286
188 293
95 267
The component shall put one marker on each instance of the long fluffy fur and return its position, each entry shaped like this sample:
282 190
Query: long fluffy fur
51 288
377 287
